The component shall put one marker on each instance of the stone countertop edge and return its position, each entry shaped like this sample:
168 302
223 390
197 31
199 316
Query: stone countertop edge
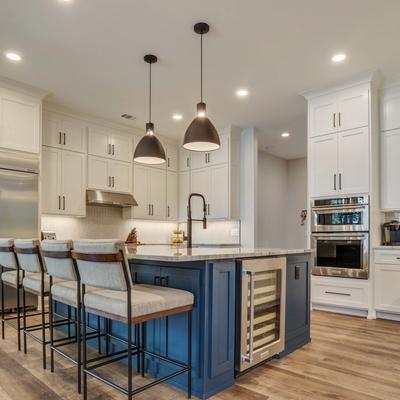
172 254
383 247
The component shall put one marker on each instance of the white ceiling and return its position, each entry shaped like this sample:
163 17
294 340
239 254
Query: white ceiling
89 55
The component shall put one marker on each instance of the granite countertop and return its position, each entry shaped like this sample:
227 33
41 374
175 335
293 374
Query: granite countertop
383 247
174 254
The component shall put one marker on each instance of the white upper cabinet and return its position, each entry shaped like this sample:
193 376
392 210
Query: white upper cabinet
105 142
64 132
184 191
338 111
20 121
322 115
218 206
172 157
172 196
390 189
323 165
184 159
390 110
140 193
220 156
353 161
200 183
63 182
110 175
157 193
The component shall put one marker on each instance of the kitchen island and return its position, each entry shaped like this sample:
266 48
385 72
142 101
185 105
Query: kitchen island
213 275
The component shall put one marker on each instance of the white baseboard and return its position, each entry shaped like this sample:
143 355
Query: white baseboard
386 315
341 310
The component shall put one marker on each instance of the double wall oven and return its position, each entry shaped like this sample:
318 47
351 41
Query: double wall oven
340 236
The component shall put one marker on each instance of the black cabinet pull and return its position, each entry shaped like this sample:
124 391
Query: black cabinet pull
113 150
296 272
59 202
63 202
59 137
135 277
338 293
65 142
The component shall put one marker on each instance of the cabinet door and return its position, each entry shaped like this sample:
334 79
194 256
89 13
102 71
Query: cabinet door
51 177
172 195
121 176
221 155
121 147
198 159
184 191
98 173
19 122
52 131
353 161
73 183
323 165
218 205
353 108
323 115
387 283
158 193
172 157
141 191
390 115
199 183
73 135
99 142
184 159
390 173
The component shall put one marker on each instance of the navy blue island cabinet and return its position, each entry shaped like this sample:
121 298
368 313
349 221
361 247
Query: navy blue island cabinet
213 341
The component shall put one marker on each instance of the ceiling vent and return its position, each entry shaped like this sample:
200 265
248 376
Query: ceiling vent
127 116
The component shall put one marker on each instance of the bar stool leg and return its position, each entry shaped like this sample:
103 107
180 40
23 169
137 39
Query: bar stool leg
129 345
24 312
189 383
43 320
51 315
69 320
137 342
18 313
142 345
84 344
78 337
99 337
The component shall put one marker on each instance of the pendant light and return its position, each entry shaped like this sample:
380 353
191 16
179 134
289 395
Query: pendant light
201 134
149 150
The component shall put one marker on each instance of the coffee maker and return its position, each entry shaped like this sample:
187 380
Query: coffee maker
391 233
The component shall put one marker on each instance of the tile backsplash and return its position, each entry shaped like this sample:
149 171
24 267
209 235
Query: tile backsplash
107 223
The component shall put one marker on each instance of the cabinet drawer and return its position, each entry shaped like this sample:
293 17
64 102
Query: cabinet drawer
346 295
387 257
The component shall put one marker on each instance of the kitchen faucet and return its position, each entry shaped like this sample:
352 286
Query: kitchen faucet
190 219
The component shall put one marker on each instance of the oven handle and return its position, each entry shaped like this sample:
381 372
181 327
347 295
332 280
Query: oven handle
338 208
249 356
331 236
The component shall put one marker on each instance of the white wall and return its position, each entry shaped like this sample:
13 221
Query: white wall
282 194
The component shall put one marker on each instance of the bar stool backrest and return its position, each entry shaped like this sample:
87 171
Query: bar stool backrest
102 264
27 251
7 255
56 255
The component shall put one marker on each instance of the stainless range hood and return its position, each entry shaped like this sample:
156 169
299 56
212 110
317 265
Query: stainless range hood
111 199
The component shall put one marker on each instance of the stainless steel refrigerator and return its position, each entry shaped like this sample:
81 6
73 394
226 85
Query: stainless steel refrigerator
19 206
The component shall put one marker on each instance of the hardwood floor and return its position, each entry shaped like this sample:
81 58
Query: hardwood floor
349 359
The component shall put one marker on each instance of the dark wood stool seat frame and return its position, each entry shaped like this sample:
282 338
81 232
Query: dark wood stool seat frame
140 350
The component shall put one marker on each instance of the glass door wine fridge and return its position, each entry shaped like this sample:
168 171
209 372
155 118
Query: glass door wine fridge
262 310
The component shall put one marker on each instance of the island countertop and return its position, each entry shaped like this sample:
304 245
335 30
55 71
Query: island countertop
168 253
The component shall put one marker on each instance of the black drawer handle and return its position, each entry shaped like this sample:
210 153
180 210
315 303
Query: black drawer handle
296 273
341 294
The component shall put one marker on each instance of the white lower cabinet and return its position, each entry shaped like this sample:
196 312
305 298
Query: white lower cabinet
387 281
110 175
213 184
172 196
63 182
149 190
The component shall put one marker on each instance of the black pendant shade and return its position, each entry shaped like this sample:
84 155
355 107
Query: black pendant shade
149 150
201 134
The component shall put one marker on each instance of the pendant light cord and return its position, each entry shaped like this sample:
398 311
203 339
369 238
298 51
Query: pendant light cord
150 93
201 67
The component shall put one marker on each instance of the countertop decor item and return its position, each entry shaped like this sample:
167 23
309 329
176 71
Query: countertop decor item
149 150
132 237
201 134
177 237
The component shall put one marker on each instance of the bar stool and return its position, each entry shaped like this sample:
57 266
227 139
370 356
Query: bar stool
61 269
9 261
102 264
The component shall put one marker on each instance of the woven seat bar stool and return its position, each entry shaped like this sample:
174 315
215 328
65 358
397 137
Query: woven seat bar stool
102 264
56 255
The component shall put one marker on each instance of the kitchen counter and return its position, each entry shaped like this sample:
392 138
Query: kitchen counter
382 247
184 254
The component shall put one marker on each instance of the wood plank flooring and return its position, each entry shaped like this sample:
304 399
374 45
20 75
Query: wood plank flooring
349 359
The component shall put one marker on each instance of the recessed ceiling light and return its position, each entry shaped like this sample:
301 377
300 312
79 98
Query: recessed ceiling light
177 117
285 134
242 92
339 57
13 56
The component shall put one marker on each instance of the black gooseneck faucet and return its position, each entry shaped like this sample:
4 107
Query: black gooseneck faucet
190 219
